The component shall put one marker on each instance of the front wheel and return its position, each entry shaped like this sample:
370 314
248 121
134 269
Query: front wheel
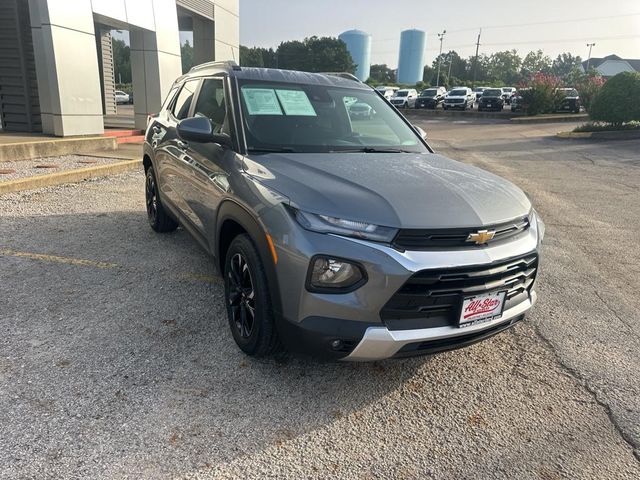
247 299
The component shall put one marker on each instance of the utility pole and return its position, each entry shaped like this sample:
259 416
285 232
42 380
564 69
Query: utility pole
475 61
441 37
590 45
450 62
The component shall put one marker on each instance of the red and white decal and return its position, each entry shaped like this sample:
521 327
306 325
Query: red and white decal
482 308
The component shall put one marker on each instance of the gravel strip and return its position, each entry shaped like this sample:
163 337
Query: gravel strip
28 168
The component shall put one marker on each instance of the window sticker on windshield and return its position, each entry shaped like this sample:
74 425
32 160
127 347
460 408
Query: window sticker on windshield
296 102
261 101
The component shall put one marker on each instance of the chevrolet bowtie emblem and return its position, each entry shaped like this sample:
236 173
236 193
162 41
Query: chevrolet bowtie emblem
481 237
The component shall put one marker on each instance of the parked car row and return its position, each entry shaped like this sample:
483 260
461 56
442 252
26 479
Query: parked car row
464 98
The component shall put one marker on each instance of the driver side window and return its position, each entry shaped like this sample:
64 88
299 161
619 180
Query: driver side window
211 104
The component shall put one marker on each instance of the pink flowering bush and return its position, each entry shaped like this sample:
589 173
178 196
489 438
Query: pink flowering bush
588 87
540 94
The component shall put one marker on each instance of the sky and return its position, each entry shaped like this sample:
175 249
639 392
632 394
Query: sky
551 25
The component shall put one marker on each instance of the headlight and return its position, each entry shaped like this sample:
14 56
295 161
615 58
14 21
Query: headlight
541 225
334 275
348 228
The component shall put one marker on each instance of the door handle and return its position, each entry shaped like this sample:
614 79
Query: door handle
182 145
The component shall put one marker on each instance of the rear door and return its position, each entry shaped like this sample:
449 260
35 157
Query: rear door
171 152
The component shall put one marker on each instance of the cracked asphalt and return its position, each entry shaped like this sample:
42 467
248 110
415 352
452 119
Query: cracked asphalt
116 360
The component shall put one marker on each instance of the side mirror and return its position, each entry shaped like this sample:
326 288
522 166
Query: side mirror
200 130
421 132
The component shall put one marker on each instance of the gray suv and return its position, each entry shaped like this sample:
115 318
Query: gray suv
340 236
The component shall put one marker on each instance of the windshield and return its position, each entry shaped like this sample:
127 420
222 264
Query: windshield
569 92
458 93
432 92
287 117
479 90
492 92
402 93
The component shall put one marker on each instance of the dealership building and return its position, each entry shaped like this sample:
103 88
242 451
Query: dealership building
56 58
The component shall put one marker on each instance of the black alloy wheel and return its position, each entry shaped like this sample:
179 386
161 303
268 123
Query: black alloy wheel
242 296
151 195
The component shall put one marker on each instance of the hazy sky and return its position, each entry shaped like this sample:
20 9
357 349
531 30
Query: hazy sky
560 25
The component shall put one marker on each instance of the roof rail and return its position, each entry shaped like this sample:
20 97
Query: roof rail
347 75
223 63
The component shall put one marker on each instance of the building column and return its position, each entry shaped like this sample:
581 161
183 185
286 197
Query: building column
64 46
203 40
155 61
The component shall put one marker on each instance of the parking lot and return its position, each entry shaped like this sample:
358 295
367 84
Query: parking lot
116 360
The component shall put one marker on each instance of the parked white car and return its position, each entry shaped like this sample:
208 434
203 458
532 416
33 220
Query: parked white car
121 97
405 98
388 92
507 93
459 97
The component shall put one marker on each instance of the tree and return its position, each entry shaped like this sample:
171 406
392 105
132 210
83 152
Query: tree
535 62
565 64
315 54
121 61
427 74
505 66
257 57
382 74
186 52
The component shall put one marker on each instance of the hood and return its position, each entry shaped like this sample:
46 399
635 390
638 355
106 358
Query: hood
394 190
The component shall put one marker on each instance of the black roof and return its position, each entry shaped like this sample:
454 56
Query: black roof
596 62
275 75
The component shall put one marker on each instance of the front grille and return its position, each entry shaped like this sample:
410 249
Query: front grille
454 100
433 298
426 239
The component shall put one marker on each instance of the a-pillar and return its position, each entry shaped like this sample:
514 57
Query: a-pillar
155 64
66 60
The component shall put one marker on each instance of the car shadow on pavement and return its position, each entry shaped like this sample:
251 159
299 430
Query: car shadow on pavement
116 351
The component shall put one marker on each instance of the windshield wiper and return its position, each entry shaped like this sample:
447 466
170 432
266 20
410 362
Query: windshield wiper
271 150
371 150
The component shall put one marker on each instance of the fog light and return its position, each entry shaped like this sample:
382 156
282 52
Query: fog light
336 344
333 275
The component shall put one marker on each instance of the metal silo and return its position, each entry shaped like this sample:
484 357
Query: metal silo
411 61
359 46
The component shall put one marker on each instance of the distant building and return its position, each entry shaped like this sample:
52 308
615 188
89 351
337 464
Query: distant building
612 65
411 59
359 46
56 58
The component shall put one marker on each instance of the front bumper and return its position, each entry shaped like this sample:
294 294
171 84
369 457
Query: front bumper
380 342
310 322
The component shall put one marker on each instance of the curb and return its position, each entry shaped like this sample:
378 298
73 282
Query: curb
504 115
576 117
425 112
610 135
70 176
13 152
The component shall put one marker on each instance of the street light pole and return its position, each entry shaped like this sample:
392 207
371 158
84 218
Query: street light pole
590 45
441 37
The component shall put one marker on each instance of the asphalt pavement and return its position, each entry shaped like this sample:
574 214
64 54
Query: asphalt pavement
116 360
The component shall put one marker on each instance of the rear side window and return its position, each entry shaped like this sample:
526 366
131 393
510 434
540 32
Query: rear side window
183 102
169 98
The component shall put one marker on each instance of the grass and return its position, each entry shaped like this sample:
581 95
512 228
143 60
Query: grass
607 127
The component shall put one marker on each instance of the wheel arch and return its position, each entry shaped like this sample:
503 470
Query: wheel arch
234 219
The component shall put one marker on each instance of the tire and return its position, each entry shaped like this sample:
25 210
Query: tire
248 301
157 215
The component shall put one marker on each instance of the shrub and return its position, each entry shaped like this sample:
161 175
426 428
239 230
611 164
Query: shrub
606 127
588 87
540 94
618 102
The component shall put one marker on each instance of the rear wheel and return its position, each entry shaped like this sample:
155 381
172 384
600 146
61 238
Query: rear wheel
248 301
158 217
